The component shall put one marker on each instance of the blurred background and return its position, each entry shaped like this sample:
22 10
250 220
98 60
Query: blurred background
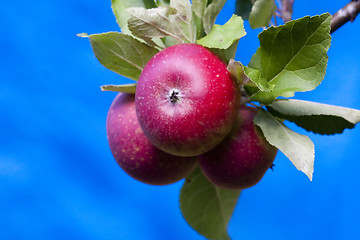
58 179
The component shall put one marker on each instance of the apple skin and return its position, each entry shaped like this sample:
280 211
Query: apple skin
242 158
133 151
186 100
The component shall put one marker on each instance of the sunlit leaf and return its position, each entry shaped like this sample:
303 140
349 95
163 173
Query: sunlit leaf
223 36
152 23
176 21
298 148
292 57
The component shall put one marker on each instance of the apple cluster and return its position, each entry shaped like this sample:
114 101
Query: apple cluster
185 113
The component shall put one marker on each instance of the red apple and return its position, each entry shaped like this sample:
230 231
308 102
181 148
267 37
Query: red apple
242 158
134 152
186 100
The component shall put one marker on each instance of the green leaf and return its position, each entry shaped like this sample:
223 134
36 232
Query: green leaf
298 148
163 3
124 88
243 8
198 7
226 54
175 21
224 36
236 69
246 74
292 57
316 117
152 23
206 207
211 12
184 20
121 53
119 9
255 77
261 13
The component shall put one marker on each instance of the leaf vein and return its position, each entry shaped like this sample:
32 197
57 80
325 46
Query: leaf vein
119 56
295 55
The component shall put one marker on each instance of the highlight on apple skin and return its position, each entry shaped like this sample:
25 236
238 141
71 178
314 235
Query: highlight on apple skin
186 100
242 158
134 152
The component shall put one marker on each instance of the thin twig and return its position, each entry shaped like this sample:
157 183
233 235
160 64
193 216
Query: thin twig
345 14
275 21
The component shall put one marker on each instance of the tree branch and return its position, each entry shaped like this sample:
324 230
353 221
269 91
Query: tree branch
345 14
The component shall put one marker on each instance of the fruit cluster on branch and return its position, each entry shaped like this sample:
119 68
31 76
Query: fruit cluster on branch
186 110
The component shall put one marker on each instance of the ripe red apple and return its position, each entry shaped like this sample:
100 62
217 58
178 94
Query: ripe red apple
242 158
186 100
134 152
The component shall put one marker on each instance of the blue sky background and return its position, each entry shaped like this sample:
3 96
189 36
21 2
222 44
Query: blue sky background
58 179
